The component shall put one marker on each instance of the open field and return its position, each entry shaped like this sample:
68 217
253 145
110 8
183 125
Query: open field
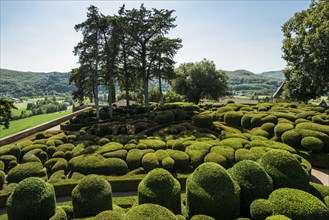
21 124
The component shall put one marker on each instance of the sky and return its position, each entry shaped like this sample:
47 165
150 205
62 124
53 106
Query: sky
39 36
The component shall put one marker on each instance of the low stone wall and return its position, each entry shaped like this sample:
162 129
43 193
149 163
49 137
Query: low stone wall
42 127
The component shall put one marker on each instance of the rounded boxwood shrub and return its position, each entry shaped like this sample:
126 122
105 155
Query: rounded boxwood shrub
235 143
202 217
297 204
160 187
254 182
292 138
135 156
285 170
65 147
32 199
244 154
233 118
246 121
312 143
149 211
97 164
227 152
2 165
319 190
268 127
25 170
270 119
278 217
55 164
313 126
323 137
281 128
2 178
261 209
168 163
150 161
196 156
91 196
216 158
178 146
60 214
164 117
153 144
122 154
203 121
182 160
109 215
256 121
211 191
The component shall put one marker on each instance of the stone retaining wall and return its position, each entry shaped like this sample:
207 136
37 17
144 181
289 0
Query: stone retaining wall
42 127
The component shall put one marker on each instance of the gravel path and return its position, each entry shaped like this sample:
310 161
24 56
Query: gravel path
320 176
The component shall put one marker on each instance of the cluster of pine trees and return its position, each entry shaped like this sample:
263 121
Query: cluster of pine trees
128 49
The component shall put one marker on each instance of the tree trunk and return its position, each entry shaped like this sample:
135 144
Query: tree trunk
160 90
127 96
96 101
145 79
110 97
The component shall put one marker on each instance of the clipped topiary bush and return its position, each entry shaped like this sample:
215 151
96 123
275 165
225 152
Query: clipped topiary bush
244 154
32 199
285 170
150 161
160 187
65 147
202 217
135 156
25 170
314 127
216 158
292 138
203 121
60 214
293 203
211 191
235 143
281 128
233 118
91 196
109 215
182 160
168 163
312 143
227 152
254 183
2 178
97 164
149 211
55 164
153 144
246 121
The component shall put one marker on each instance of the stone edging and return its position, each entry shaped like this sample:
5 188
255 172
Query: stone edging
27 132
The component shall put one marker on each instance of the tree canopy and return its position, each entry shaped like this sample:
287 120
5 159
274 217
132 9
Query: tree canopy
306 51
6 106
200 80
127 49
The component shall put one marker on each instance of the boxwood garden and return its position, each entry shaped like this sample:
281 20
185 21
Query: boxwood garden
186 161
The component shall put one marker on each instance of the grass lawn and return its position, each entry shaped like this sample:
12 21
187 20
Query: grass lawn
22 124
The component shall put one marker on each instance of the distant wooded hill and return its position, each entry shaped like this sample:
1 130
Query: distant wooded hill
29 84
245 82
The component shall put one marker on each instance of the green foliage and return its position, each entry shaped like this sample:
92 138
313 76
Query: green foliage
91 196
281 128
216 158
25 170
318 190
314 127
244 154
297 204
55 164
6 107
203 121
149 212
160 187
285 170
227 152
304 48
254 183
312 143
211 191
261 209
135 156
109 214
150 161
235 143
97 164
164 117
292 138
200 80
233 118
182 160
278 217
153 144
32 199
2 178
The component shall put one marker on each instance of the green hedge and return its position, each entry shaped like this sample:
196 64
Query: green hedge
160 187
32 199
211 191
285 170
233 118
293 203
149 212
203 121
91 196
314 127
135 156
254 183
25 170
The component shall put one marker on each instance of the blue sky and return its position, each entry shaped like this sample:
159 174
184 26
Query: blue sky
40 36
